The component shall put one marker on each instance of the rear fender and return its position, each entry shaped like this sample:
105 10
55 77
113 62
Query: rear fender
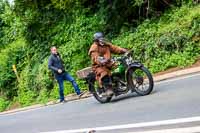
90 80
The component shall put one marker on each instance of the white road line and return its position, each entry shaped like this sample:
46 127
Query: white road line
135 125
175 130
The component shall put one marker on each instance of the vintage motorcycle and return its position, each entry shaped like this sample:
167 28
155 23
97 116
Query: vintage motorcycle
129 75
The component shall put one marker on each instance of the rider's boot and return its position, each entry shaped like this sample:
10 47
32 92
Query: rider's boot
109 92
107 84
101 92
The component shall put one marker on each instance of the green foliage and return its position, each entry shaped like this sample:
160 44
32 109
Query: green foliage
2 8
65 4
13 54
172 40
43 96
11 26
3 104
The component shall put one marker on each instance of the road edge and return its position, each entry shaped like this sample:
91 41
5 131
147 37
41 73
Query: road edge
158 78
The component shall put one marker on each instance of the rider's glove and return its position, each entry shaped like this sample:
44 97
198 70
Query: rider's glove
124 50
102 60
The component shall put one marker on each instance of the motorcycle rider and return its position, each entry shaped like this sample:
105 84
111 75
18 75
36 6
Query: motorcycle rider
100 52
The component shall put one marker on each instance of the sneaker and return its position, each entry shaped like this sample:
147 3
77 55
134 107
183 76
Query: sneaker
81 94
92 131
103 94
63 101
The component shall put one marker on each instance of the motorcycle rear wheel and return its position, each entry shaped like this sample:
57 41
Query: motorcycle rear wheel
97 95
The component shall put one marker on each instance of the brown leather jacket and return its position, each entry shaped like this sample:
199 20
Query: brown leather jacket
105 51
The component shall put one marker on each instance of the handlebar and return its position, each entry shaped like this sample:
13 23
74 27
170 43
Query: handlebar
125 55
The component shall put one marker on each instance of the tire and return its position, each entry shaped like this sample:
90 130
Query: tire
97 97
102 100
142 79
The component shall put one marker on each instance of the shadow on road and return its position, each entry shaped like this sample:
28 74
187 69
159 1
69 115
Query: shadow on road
128 96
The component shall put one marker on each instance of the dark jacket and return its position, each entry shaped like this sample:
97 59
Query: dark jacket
55 62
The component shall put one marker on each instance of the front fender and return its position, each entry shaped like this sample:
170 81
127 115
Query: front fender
135 65
132 67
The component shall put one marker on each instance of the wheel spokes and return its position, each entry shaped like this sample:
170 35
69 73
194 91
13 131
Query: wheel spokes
140 80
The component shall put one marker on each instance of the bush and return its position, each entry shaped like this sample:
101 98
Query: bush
11 55
167 42
3 104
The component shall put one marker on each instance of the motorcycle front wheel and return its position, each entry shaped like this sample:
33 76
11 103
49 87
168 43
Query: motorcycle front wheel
97 94
140 80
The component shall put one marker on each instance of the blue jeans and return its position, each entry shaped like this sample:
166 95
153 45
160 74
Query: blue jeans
66 76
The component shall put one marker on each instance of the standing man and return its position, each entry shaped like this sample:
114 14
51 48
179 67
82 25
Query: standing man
56 64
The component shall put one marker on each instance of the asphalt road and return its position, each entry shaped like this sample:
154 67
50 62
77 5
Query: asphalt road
177 98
